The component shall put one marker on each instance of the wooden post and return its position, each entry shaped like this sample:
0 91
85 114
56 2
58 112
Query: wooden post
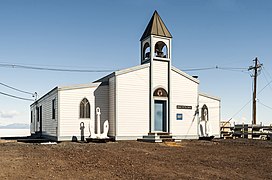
255 68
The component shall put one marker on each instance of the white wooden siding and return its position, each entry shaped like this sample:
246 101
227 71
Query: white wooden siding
112 122
160 74
69 121
183 92
49 125
132 90
34 120
102 100
214 113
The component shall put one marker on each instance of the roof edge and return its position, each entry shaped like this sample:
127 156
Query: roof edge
209 96
61 88
185 74
131 69
105 78
152 29
49 92
79 86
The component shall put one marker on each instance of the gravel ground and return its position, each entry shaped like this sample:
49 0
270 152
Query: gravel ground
189 159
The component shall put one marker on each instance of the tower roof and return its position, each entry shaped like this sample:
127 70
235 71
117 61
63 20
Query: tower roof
156 27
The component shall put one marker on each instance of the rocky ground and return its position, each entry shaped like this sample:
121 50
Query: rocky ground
190 159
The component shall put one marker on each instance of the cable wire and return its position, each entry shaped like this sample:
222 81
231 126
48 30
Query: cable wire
52 69
199 69
264 105
7 65
237 112
217 67
266 77
265 86
16 89
17 97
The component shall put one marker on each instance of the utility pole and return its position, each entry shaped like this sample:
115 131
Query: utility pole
256 69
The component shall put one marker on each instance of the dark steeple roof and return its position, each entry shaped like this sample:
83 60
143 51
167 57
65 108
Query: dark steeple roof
156 27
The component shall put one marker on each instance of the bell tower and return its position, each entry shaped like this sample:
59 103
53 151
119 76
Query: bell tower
155 41
156 50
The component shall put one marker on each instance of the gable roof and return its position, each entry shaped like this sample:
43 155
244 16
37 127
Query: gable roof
106 78
156 27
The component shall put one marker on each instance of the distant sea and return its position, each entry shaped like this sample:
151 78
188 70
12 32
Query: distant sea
14 132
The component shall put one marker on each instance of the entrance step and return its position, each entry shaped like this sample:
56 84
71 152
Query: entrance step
157 137
159 133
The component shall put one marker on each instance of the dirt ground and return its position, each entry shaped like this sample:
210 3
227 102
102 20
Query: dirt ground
189 159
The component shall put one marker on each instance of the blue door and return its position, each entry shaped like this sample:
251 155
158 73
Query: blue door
160 116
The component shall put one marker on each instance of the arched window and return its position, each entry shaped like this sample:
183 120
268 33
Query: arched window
146 51
160 92
84 109
161 50
204 113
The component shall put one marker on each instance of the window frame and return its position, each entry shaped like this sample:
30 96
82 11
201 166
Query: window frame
31 116
84 109
40 111
37 114
53 108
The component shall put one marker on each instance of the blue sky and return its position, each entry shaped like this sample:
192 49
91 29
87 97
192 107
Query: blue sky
105 35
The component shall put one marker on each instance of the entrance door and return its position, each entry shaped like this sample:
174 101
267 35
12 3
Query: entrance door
160 116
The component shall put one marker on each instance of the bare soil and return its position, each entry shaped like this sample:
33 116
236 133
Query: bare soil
189 159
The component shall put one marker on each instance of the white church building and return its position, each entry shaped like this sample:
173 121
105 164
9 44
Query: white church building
150 98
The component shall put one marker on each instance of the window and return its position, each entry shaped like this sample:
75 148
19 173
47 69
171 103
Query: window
160 92
146 51
161 50
84 109
40 113
31 117
204 113
37 114
54 109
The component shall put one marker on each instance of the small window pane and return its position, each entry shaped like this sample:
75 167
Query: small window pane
87 107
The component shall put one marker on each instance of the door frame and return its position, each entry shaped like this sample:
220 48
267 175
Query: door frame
164 116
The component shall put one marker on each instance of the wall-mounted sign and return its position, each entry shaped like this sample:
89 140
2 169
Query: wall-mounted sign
184 107
179 116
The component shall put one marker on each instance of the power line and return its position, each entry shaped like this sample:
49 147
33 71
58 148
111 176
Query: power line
265 86
234 70
267 72
266 77
16 89
52 69
255 75
56 65
7 65
237 112
265 105
199 69
231 68
240 110
217 67
17 97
